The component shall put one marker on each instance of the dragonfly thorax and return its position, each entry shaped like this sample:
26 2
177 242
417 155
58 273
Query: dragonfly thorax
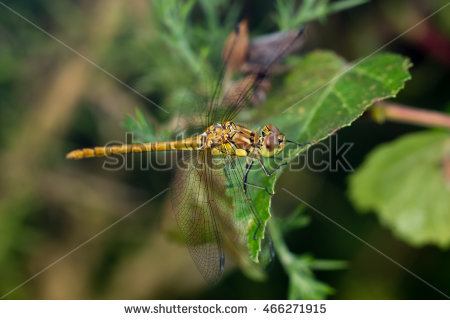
233 139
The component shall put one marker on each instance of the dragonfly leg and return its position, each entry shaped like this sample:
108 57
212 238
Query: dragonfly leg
266 171
248 166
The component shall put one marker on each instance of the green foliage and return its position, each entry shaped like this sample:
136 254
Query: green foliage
175 17
296 220
321 95
290 17
302 283
324 93
166 50
299 268
404 183
142 130
196 46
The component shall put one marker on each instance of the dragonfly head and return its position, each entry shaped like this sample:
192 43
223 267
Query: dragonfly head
273 141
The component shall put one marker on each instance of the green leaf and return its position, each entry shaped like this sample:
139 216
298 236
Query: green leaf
320 95
295 220
244 218
139 126
323 264
302 284
288 17
404 183
324 93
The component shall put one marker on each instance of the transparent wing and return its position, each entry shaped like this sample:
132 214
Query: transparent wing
261 59
233 55
245 212
195 204
207 190
262 50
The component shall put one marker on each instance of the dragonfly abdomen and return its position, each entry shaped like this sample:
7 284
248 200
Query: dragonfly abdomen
192 143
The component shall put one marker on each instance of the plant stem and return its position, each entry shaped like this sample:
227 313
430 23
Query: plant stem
383 111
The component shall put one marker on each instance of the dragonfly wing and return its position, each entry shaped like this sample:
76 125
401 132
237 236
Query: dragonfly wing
263 57
261 49
195 206
248 222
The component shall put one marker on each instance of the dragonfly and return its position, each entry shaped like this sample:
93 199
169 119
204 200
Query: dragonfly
209 164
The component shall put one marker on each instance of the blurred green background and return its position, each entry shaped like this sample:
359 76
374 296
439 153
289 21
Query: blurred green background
52 101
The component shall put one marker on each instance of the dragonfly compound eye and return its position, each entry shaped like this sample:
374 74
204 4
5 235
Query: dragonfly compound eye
272 129
271 142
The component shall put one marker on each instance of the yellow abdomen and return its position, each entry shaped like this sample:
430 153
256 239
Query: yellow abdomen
192 143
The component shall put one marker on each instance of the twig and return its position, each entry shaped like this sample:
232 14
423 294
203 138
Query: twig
383 111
